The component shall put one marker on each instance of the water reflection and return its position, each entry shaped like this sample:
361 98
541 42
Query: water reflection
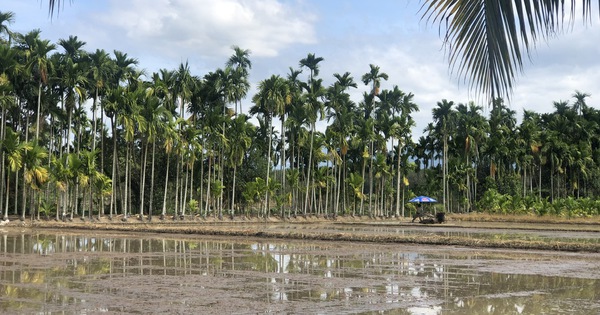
51 273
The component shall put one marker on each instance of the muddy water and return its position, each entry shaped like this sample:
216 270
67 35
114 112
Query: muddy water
64 273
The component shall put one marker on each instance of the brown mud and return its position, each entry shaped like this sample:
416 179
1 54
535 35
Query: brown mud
135 285
341 229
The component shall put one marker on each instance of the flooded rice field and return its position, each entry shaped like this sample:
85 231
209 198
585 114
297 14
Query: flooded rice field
51 272
544 235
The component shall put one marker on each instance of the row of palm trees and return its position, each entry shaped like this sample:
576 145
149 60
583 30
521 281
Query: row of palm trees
90 134
548 156
486 41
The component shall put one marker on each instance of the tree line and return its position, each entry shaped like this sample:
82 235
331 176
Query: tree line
88 134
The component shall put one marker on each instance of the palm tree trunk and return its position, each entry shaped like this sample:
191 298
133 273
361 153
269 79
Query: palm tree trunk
102 153
126 188
362 189
16 209
338 187
5 217
309 167
232 212
164 205
178 167
192 182
24 203
39 105
266 210
283 187
445 172
2 170
200 202
114 168
185 190
398 180
371 149
143 177
150 210
208 182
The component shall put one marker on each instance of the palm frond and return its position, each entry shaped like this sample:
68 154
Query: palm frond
486 40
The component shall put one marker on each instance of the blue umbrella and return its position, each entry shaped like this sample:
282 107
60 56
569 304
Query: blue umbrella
422 199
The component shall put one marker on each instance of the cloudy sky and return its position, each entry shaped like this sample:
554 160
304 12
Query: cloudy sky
348 34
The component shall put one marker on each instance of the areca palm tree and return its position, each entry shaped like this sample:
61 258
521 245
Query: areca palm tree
35 173
314 93
36 51
580 104
273 94
442 115
100 69
241 63
399 106
488 40
5 19
14 150
374 78
157 116
341 109
240 139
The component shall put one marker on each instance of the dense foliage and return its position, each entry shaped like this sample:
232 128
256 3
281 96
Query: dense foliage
87 133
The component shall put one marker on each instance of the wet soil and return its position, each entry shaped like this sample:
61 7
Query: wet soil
522 232
137 286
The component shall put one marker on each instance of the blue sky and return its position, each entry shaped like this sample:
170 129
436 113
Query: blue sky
348 34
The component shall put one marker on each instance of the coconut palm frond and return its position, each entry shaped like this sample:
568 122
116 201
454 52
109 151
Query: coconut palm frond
486 40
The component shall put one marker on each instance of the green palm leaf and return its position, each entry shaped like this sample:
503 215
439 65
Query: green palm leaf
487 39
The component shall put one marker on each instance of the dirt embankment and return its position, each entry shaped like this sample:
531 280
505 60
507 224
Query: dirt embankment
339 229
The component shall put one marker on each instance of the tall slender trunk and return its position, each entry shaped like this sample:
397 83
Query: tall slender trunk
208 183
178 171
185 190
372 150
24 203
164 205
398 180
16 209
283 187
200 202
3 173
362 188
266 211
7 194
39 106
102 154
540 182
113 197
126 188
143 177
294 190
233 191
309 167
192 182
150 202
339 186
445 172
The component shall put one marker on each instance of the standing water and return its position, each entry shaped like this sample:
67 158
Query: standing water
71 273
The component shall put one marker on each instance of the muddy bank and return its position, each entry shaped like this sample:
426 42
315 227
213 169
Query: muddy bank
342 229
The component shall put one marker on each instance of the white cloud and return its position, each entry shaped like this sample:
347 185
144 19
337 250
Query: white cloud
187 28
350 35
